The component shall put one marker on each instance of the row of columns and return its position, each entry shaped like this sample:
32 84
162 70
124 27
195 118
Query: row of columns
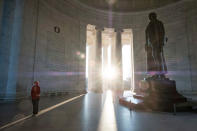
117 61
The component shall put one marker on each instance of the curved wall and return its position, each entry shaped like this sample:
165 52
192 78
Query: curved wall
73 18
45 55
56 63
51 57
178 18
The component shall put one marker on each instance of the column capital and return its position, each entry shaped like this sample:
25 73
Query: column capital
119 30
83 24
99 28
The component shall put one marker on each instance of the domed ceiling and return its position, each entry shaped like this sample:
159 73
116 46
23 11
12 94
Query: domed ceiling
126 5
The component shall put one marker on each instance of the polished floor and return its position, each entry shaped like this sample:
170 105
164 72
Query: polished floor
12 111
96 112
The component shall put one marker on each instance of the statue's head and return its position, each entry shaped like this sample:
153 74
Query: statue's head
152 16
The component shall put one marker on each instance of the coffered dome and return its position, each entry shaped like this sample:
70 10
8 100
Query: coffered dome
126 5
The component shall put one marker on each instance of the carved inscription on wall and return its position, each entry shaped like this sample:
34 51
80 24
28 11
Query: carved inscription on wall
55 53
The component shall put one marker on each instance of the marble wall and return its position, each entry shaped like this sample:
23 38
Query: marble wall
57 64
191 33
40 53
179 20
180 29
53 58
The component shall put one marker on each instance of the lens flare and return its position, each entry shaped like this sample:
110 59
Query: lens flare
109 73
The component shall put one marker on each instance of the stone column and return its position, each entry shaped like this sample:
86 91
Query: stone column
118 60
1 12
98 68
104 66
10 40
82 82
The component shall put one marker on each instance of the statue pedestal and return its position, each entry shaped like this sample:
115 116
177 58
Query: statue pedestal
157 95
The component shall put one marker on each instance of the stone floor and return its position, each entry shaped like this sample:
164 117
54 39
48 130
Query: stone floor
94 112
13 111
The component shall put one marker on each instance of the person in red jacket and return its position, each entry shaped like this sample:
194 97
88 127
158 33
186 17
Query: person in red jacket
35 95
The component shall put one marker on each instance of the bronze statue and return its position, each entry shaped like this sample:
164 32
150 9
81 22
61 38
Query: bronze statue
155 39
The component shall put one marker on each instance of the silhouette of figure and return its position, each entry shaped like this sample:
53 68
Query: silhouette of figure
155 39
35 94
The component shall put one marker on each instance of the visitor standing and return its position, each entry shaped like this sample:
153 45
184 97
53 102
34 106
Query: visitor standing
35 95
